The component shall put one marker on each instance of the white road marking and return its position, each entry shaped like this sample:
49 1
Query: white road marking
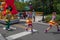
1 37
4 28
13 28
22 20
21 34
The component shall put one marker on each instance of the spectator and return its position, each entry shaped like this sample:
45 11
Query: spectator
24 15
29 14
34 15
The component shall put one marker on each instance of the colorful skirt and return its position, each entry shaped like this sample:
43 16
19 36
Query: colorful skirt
51 22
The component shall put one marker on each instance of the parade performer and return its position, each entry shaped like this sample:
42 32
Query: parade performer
8 16
7 23
29 24
52 22
9 10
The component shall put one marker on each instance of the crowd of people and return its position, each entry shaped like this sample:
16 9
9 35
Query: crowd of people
26 14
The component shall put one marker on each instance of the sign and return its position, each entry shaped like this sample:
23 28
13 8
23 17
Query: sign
39 13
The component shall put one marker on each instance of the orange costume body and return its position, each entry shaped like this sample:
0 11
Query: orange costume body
29 22
51 22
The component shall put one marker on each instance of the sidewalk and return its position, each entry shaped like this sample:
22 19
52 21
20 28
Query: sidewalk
37 18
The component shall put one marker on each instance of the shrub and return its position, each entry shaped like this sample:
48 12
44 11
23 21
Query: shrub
48 18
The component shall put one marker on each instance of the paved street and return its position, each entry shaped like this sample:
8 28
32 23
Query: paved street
39 35
21 34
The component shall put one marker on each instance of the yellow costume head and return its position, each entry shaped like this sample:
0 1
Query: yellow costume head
7 11
29 20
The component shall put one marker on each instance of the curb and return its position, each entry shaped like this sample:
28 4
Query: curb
41 23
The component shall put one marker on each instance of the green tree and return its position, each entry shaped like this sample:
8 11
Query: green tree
20 5
37 5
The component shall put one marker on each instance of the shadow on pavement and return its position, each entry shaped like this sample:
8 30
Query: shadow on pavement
54 32
1 26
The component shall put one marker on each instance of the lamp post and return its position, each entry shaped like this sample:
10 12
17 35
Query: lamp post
43 10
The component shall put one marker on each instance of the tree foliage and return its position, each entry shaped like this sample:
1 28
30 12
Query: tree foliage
20 5
48 6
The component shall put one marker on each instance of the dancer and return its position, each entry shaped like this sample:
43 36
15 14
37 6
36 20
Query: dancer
8 16
52 22
29 24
